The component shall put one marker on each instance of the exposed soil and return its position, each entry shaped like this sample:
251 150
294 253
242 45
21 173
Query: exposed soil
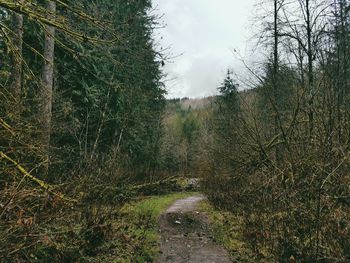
186 235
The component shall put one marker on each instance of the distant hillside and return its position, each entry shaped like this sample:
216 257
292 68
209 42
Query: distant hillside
247 96
200 103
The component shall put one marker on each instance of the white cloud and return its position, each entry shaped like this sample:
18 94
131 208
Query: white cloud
206 32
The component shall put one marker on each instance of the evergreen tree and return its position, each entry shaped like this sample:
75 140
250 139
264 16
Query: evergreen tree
226 122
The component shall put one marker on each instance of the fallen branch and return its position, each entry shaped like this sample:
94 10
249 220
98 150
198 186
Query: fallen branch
41 183
6 126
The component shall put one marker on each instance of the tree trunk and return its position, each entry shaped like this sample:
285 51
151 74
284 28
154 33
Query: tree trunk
310 67
47 85
16 56
275 77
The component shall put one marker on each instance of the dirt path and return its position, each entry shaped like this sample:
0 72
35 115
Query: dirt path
186 236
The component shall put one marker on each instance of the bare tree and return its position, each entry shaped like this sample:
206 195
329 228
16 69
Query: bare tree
276 69
47 84
310 55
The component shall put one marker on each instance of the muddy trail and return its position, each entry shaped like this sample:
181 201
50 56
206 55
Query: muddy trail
186 235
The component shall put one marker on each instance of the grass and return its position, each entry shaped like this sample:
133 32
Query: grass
138 229
227 229
154 205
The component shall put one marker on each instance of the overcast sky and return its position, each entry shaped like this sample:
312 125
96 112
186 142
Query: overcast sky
205 32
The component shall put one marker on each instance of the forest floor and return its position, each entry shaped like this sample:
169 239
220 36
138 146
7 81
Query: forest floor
186 235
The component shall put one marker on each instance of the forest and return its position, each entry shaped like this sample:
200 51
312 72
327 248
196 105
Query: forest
88 135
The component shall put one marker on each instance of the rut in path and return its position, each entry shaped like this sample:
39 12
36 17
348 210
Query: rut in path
186 235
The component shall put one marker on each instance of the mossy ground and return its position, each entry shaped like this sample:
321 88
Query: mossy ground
227 230
136 236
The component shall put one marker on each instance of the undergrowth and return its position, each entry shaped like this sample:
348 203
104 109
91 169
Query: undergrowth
228 232
135 237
